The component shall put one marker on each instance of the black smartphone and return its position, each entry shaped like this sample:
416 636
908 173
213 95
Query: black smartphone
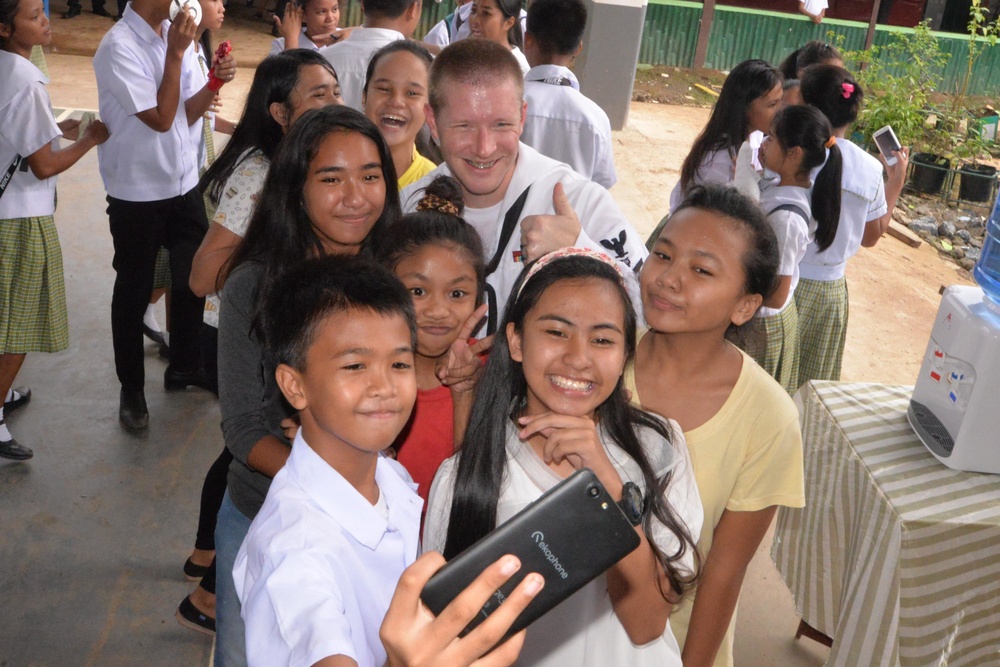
570 535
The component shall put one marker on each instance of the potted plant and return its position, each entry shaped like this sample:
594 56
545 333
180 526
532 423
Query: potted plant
975 179
897 78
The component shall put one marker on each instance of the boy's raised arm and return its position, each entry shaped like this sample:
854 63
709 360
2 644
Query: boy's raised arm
414 637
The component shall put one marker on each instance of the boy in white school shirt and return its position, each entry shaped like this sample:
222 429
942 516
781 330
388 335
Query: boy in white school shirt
561 122
385 22
150 174
318 570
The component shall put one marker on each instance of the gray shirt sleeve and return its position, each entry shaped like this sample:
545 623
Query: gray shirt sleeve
251 404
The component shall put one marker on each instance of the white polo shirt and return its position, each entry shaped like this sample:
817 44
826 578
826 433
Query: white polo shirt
138 163
565 125
26 125
793 232
862 199
319 565
350 57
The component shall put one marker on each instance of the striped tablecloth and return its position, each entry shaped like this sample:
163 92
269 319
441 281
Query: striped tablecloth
895 556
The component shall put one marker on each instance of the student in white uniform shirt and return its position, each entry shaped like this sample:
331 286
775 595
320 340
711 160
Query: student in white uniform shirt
497 21
318 571
866 205
32 289
385 22
801 208
150 173
322 18
814 9
561 122
750 97
455 26
476 115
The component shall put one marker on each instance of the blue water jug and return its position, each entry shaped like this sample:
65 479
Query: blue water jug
987 269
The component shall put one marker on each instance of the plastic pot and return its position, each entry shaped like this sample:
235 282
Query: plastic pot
976 182
928 172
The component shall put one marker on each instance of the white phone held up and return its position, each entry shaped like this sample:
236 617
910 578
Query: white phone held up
887 144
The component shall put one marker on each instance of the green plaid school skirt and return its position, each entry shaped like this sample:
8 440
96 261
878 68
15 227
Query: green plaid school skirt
161 271
822 308
32 292
780 356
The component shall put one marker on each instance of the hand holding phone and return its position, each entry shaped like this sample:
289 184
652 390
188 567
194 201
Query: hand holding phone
570 535
411 636
887 144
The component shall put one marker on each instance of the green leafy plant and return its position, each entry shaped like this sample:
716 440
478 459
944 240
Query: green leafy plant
897 78
969 142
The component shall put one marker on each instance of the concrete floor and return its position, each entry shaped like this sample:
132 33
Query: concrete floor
96 527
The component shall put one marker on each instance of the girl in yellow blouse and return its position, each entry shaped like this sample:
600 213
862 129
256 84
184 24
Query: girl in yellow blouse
712 265
393 98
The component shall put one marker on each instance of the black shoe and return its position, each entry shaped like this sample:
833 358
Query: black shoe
101 11
72 12
153 335
194 572
181 380
21 399
132 412
189 616
13 450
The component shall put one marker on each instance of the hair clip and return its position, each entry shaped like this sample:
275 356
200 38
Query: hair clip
848 90
438 204
569 251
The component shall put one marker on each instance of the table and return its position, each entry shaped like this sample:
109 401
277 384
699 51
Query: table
895 556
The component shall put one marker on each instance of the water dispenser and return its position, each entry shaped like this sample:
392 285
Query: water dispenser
955 408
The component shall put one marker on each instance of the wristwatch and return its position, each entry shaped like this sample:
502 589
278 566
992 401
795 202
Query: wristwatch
632 503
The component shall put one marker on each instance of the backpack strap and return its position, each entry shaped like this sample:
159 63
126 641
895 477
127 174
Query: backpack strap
794 208
9 174
510 221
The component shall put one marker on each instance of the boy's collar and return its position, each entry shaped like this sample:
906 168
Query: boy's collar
339 499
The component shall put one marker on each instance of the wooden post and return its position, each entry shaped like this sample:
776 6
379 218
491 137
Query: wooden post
707 15
870 37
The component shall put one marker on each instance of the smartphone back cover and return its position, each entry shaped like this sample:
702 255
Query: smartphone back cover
570 535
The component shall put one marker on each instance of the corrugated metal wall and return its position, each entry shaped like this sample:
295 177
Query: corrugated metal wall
671 33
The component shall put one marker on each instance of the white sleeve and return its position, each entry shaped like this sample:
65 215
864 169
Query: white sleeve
439 507
787 228
26 123
293 611
604 160
438 35
603 226
879 206
240 193
277 46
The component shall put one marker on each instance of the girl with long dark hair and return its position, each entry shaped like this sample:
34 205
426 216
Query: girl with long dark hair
801 207
284 87
552 400
750 97
499 21
866 204
331 190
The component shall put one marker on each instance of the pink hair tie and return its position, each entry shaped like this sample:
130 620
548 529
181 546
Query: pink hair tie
848 90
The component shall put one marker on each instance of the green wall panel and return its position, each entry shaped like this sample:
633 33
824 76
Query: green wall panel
671 33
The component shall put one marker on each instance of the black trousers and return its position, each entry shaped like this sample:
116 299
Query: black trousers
138 229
